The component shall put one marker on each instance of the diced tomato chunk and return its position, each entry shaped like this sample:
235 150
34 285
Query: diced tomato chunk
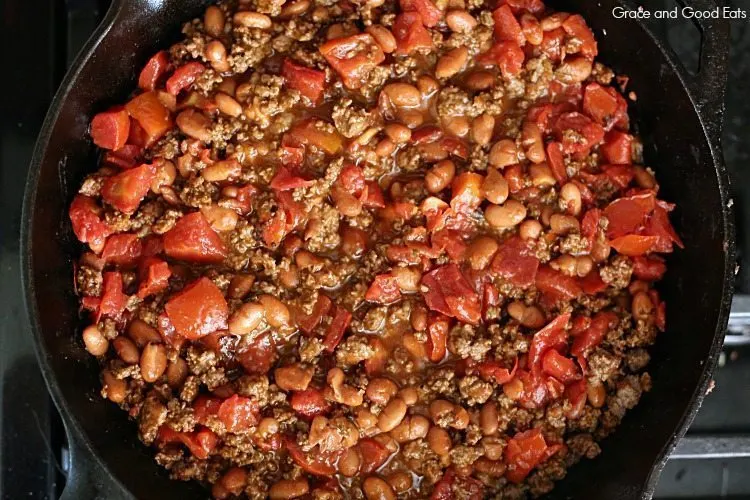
523 453
197 310
239 413
307 133
384 289
200 443
563 369
634 245
507 56
192 239
466 192
373 196
617 147
335 331
153 71
308 323
520 6
586 133
428 11
619 175
125 157
352 179
87 223
122 249
113 300
353 57
552 335
285 180
557 285
184 76
447 291
658 226
493 371
507 28
373 455
600 103
552 44
125 190
309 403
516 262
154 277
110 129
592 283
451 486
410 34
151 115
592 336
259 356
313 463
651 268
307 81
575 26
556 161
628 214
437 337
204 407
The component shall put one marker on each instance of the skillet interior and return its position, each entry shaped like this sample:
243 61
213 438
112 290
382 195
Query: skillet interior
696 287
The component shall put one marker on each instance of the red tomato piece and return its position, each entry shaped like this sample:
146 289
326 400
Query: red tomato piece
200 443
450 487
192 239
184 76
619 175
197 310
308 134
575 27
590 223
430 14
660 319
353 57
309 403
466 192
658 225
259 356
556 161
125 190
576 394
125 157
562 368
87 224
651 268
113 300
634 245
238 413
549 337
448 292
275 229
150 114
523 453
352 179
373 195
376 363
384 289
492 370
373 455
507 56
285 180
587 340
600 103
552 44
519 6
307 81
617 148
308 323
122 249
153 71
316 464
204 407
557 285
592 283
628 214
154 277
515 262
335 331
507 28
410 34
450 242
586 134
437 340
110 129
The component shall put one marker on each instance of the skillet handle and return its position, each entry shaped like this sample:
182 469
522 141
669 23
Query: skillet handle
708 85
82 479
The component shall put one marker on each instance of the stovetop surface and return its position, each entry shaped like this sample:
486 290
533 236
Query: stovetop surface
40 40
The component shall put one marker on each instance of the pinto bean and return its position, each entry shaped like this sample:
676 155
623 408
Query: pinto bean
177 372
482 128
142 333
505 216
194 124
503 153
126 350
531 138
383 37
380 390
228 105
216 54
286 489
460 21
375 488
398 133
452 62
222 170
213 21
480 80
246 318
277 314
153 362
220 218
392 415
403 95
495 187
348 464
488 418
96 343
574 70
439 440
570 198
530 229
480 252
294 377
114 388
252 20
564 224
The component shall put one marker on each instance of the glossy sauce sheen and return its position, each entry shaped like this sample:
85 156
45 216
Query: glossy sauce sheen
406 261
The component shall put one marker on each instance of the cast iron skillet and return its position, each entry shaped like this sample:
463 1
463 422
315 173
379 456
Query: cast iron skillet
677 114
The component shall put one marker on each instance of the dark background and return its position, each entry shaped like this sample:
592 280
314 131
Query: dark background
39 39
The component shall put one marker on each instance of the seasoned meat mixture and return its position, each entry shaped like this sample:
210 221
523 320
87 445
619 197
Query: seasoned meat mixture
372 250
